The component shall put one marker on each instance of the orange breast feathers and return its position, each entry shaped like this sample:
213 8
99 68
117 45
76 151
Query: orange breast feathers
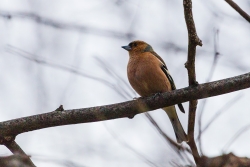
145 74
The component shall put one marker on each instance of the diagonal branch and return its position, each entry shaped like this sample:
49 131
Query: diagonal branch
125 109
238 9
20 155
236 136
16 150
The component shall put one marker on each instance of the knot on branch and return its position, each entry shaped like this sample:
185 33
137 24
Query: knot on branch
198 41
188 65
60 108
193 37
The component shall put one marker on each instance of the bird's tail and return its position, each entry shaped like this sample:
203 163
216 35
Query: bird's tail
178 129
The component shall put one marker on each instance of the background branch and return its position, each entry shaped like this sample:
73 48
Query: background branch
210 75
236 136
66 26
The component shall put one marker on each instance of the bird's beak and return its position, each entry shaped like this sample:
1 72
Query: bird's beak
128 48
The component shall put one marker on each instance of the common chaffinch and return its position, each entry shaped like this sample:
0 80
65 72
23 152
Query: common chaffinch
148 75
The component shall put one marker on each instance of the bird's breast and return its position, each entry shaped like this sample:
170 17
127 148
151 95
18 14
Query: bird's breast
146 77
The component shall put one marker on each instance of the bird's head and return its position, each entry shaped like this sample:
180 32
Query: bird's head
138 46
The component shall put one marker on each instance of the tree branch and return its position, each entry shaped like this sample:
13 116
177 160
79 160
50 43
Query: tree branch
193 41
9 142
65 26
16 150
125 109
16 160
238 9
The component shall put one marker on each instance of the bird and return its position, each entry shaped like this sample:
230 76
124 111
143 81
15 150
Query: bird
148 75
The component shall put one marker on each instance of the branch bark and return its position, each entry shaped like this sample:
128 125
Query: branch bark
126 109
193 41
227 160
16 150
9 142
238 9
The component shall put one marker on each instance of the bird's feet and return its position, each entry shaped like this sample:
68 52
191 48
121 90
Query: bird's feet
156 94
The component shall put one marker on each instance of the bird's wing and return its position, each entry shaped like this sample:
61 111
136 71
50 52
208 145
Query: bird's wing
165 70
158 57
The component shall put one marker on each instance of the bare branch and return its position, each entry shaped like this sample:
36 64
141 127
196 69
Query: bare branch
210 75
125 109
15 149
236 136
65 26
222 110
193 41
9 142
126 145
176 146
238 9
16 160
39 60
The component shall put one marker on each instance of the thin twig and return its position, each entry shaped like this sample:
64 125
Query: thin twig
121 86
236 136
193 41
39 60
65 26
210 75
238 9
221 111
177 147
216 55
126 145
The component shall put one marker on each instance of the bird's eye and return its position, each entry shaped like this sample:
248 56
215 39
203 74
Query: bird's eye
133 44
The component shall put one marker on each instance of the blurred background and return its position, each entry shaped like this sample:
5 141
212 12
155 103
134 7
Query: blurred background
56 52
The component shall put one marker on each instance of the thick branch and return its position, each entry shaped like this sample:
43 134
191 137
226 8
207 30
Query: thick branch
125 109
